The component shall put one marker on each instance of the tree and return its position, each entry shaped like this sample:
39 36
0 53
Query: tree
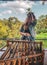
41 24
9 28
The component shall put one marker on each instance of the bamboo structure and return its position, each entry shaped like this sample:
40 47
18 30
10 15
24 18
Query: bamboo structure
21 52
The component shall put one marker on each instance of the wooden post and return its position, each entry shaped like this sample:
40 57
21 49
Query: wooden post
14 62
8 62
40 47
2 63
23 62
19 61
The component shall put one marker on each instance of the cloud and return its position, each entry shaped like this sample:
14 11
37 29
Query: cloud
45 2
21 10
3 4
5 12
0 14
41 2
18 6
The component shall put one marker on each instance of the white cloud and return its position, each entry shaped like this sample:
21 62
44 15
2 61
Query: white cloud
45 2
3 4
21 10
0 14
41 2
19 6
5 12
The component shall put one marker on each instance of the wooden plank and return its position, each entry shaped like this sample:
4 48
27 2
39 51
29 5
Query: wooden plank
24 41
13 62
5 53
19 61
2 63
14 50
23 61
11 50
8 53
7 62
45 57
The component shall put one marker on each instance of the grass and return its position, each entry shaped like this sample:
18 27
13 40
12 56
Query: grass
42 36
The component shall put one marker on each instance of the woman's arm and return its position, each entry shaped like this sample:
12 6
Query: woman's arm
25 34
22 33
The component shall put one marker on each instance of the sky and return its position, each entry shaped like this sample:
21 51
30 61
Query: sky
19 9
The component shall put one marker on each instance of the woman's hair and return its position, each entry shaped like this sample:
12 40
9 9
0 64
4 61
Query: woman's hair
30 15
29 19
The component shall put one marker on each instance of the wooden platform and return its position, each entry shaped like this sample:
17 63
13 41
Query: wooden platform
45 57
22 53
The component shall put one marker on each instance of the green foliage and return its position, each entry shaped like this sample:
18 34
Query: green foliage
41 24
9 28
42 36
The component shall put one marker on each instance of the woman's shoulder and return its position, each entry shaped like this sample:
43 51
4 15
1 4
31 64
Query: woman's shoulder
33 23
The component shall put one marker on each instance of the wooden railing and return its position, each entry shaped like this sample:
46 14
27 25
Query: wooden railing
21 52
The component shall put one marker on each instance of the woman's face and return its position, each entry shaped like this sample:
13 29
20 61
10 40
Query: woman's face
27 20
30 19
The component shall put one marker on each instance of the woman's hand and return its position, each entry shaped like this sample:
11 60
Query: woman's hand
22 33
27 34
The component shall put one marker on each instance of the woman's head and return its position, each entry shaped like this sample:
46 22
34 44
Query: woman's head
30 17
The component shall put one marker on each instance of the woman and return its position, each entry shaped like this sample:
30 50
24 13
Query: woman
27 29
